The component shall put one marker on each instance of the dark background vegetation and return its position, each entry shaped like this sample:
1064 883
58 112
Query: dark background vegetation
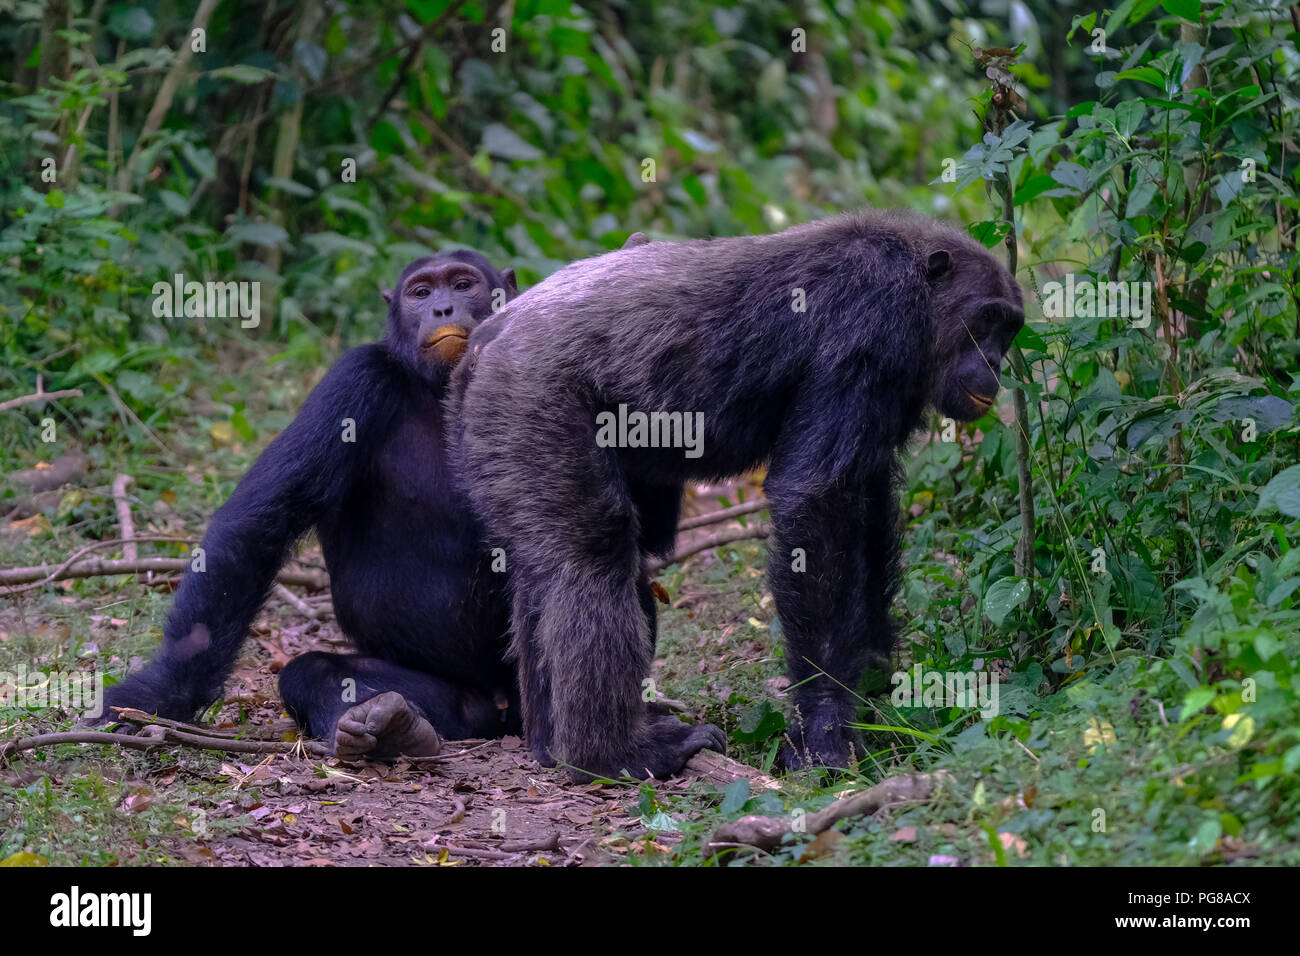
1163 691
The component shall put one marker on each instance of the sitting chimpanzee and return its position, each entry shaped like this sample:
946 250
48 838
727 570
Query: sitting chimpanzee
364 464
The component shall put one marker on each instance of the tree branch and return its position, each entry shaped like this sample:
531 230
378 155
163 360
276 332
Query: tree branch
755 531
713 517
40 395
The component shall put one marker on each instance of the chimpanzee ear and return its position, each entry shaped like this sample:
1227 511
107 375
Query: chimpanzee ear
388 296
512 286
940 262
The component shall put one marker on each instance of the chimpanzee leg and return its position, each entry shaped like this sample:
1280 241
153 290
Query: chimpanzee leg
534 675
369 707
832 566
658 508
592 634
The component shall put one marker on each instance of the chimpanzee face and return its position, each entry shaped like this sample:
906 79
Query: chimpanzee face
438 302
970 383
978 321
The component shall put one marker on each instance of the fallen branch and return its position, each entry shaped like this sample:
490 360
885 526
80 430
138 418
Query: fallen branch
97 567
60 570
315 613
40 395
756 531
272 731
723 771
40 575
155 735
457 815
766 833
726 514
124 516
508 851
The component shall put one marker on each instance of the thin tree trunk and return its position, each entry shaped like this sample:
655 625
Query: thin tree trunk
1024 557
162 103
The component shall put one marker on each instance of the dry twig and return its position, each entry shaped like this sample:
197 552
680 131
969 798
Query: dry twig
766 833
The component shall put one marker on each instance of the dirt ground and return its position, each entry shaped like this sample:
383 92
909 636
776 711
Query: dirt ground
480 803
486 804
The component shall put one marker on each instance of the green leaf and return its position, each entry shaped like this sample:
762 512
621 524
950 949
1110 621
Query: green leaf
505 143
989 232
130 23
257 233
241 73
1291 761
1027 338
660 821
734 797
386 139
1282 493
1128 116
1282 592
1207 835
175 202
1195 701
1004 597
1146 74
242 426
287 185
426 10
329 243
1034 186
1071 174
760 723
201 158
1187 9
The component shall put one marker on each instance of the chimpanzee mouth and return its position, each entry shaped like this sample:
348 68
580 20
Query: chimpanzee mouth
442 335
983 401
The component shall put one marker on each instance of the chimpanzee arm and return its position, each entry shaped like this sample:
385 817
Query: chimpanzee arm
303 474
832 560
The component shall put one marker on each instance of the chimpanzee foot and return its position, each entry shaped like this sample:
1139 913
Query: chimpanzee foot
667 745
822 739
672 743
383 728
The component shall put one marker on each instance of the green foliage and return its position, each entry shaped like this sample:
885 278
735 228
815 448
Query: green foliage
1158 627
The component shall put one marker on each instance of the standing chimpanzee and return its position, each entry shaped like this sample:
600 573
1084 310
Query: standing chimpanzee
365 464
815 350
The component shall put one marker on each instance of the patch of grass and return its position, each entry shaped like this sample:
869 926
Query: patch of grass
74 806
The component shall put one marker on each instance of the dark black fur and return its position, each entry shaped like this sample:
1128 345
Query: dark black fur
411 581
895 305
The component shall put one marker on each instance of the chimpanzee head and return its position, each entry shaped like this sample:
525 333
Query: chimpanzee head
438 301
977 312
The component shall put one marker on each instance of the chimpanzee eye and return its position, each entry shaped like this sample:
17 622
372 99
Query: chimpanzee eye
420 292
463 285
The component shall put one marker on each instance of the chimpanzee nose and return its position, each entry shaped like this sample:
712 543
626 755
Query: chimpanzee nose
443 313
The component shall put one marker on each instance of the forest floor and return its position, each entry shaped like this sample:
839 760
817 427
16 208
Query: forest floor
1091 774
478 803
